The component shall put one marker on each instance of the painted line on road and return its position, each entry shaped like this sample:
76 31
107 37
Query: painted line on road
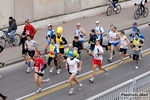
81 77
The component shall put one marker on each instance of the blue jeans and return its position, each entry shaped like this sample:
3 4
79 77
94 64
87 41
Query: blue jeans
11 34
114 3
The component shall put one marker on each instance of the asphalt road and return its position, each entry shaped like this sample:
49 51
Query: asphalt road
16 83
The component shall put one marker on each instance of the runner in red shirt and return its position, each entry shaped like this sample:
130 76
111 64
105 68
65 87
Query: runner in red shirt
39 67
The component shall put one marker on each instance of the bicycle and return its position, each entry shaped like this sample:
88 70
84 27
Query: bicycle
6 38
139 12
110 9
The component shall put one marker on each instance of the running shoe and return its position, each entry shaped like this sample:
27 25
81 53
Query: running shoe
51 69
91 80
58 71
81 87
110 60
121 62
107 71
39 90
71 91
136 67
25 64
48 81
28 70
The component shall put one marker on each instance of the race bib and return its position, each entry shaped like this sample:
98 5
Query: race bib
71 67
27 32
35 69
57 44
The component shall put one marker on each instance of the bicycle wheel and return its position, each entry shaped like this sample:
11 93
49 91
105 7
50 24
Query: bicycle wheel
17 40
145 14
2 42
109 11
118 7
137 14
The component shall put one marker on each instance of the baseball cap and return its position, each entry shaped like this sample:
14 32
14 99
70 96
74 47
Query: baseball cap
97 21
134 23
27 20
71 55
97 39
50 25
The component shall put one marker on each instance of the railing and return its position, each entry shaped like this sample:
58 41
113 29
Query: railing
138 84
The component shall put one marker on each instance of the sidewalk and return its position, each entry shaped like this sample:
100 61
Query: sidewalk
122 21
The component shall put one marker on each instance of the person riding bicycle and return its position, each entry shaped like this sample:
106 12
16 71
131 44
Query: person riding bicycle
69 51
12 28
114 2
142 4
77 45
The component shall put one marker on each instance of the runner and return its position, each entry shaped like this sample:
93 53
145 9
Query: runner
60 43
77 45
136 44
124 42
99 32
110 32
53 54
39 67
115 41
73 65
31 47
80 33
71 50
92 40
97 60
50 34
134 28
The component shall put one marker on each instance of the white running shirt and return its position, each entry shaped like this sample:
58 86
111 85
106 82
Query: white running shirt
123 42
31 45
114 35
95 52
73 64
78 32
110 33
99 29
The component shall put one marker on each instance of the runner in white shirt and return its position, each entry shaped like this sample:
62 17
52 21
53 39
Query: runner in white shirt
73 65
115 41
124 42
80 33
97 60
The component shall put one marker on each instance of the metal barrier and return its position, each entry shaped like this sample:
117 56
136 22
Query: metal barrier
138 84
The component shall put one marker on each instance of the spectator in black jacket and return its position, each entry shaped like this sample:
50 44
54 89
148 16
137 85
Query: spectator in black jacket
12 28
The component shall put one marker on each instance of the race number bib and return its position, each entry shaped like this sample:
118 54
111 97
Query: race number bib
76 49
35 69
27 32
71 67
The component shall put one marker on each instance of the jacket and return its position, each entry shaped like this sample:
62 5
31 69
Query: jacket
12 25
31 30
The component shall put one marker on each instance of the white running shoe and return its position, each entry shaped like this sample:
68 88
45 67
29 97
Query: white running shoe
92 80
51 69
48 81
39 90
28 70
81 87
58 71
113 56
121 62
136 67
115 9
71 91
107 71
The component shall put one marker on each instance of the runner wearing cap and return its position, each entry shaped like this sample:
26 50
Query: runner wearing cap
80 33
134 28
73 65
99 32
39 67
97 60
50 34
